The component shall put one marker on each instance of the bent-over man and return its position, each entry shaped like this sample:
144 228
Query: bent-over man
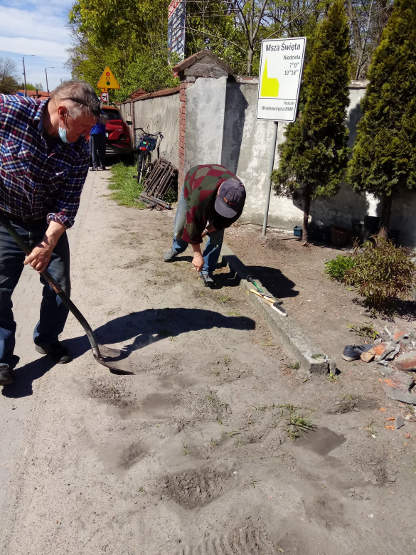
43 165
211 199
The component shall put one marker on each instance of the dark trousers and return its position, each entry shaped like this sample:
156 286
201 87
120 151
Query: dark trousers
97 145
53 313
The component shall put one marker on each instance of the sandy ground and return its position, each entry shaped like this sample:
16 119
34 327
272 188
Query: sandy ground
324 308
196 453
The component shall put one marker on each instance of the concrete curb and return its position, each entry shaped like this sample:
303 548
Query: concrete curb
285 329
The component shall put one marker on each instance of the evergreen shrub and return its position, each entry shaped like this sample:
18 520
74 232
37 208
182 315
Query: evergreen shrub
382 273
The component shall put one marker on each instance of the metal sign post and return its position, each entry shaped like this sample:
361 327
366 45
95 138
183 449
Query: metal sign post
266 208
281 66
105 82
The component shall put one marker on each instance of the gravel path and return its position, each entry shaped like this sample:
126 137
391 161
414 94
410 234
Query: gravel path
197 452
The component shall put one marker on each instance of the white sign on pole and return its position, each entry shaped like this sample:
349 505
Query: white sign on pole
281 66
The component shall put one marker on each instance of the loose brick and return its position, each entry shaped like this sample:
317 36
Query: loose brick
398 387
406 362
368 356
400 334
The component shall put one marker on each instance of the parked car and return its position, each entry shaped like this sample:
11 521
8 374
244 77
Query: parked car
118 141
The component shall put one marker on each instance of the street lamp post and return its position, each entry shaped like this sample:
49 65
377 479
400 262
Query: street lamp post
46 76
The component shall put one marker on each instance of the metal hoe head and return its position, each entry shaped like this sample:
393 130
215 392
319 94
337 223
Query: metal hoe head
114 359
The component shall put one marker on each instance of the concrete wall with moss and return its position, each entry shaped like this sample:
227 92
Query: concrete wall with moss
222 127
157 114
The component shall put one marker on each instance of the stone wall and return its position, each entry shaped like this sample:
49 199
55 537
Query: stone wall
213 119
157 113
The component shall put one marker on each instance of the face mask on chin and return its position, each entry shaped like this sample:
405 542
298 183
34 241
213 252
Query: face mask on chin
62 135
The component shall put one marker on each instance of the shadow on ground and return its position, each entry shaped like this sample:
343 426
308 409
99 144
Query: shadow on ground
143 328
25 376
271 278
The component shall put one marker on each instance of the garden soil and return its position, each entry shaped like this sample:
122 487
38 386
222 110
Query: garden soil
218 443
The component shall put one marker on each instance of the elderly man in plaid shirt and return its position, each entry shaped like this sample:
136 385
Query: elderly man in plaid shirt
44 162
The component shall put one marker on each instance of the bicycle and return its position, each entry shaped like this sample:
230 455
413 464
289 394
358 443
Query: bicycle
146 144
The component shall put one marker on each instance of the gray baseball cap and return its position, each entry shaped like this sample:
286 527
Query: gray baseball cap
230 198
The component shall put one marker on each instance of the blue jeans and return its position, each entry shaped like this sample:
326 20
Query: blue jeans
213 245
97 147
53 313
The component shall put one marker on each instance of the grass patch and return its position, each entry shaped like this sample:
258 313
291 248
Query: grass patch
337 267
297 424
365 331
124 187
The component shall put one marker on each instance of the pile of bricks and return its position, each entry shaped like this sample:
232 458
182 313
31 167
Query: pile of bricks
397 354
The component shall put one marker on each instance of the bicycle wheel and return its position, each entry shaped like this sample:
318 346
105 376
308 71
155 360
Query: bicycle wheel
147 164
140 160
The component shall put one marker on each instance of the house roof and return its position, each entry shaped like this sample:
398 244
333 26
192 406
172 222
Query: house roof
203 64
33 94
136 95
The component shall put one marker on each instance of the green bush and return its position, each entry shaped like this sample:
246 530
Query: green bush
381 273
337 267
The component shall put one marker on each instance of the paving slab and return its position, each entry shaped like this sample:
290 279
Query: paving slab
295 341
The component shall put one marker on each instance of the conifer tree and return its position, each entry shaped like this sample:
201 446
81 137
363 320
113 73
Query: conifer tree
384 156
314 156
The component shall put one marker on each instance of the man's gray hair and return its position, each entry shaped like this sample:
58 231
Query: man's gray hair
84 100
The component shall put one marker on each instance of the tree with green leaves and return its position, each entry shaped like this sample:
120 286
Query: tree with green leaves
234 29
129 36
8 82
384 155
314 156
211 24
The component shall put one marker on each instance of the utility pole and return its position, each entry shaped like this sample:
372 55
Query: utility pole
24 73
46 76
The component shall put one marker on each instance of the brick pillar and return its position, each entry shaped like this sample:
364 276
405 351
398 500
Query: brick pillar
182 131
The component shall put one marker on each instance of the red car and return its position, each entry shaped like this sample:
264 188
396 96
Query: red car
118 142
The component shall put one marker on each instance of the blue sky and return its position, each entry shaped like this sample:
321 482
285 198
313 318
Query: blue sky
36 27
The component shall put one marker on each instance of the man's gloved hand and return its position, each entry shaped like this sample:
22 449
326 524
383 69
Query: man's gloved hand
198 261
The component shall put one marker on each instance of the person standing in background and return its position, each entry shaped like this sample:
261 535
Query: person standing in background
97 145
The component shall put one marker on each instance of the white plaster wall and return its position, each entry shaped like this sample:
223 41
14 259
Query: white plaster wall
248 153
159 114
403 217
222 127
252 161
205 107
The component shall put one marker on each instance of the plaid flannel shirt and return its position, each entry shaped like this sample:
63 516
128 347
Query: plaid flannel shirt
40 177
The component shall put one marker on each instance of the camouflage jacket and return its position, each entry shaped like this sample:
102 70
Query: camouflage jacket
199 190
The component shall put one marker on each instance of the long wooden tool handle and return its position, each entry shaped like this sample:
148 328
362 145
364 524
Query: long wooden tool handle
265 297
55 287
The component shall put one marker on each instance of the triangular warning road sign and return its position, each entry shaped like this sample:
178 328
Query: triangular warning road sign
107 80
